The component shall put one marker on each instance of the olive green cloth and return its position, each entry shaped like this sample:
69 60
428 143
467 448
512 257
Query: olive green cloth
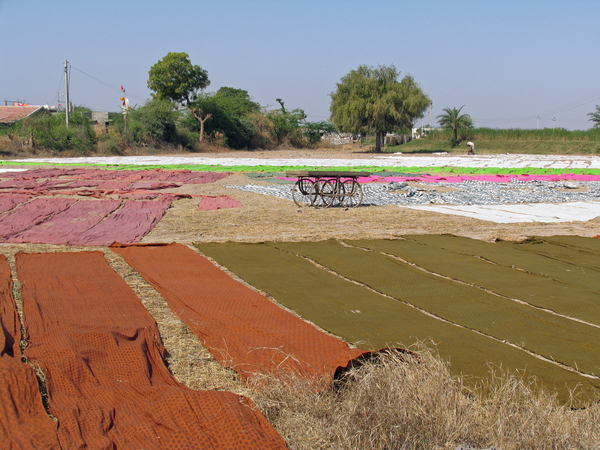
371 320
527 287
507 255
571 343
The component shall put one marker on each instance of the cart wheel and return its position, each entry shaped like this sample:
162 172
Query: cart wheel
328 193
316 195
301 192
353 194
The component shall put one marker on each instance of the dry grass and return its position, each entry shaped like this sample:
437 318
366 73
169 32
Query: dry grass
412 402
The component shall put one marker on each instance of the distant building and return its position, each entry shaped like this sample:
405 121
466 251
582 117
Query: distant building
9 114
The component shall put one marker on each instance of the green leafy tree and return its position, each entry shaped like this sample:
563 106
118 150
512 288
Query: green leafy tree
154 122
175 78
229 110
595 116
455 121
315 130
372 100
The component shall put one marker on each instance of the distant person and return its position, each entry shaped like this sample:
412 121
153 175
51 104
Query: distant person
471 150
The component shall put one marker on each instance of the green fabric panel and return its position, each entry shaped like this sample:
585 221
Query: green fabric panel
563 340
264 168
531 288
370 320
589 258
507 256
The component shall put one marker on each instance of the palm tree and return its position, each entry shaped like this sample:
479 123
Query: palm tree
595 116
454 119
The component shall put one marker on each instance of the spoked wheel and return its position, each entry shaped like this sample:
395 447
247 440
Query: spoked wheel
301 192
353 194
321 194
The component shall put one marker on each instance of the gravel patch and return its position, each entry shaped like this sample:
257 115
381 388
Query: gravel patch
469 192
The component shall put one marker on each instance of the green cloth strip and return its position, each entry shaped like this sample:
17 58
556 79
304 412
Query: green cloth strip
532 288
571 343
371 320
509 255
264 168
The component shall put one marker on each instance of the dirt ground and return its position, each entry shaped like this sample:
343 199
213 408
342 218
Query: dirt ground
268 218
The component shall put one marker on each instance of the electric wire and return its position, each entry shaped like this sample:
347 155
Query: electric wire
108 85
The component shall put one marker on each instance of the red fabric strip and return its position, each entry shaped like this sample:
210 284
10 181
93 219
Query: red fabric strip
102 356
242 329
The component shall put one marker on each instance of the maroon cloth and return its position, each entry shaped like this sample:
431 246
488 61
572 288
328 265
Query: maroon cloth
70 225
210 203
29 214
128 225
9 201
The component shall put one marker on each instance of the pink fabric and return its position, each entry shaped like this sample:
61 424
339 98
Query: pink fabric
69 225
209 203
128 225
499 178
9 201
29 214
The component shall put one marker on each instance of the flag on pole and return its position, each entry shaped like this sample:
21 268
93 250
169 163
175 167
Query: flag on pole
122 88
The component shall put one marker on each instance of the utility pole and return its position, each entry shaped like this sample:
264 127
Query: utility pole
67 89
553 120
430 114
538 125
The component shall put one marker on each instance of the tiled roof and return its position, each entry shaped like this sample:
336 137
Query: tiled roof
10 114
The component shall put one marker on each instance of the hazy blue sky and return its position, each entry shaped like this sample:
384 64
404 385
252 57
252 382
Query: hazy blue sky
507 61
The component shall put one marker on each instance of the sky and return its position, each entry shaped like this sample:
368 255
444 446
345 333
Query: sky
508 62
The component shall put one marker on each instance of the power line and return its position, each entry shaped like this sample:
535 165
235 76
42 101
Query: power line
108 85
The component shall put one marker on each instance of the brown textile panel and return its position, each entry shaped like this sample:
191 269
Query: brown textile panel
24 423
9 321
31 213
242 328
102 356
70 225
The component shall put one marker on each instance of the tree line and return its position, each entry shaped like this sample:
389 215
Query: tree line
180 113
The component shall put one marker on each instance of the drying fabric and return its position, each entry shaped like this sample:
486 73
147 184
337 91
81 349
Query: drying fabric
242 328
532 288
505 255
561 251
31 213
517 213
128 224
9 201
24 423
212 203
569 342
371 320
9 322
72 224
102 357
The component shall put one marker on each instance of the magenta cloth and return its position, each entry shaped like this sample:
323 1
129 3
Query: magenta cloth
209 203
34 184
127 225
29 214
9 201
499 178
69 225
